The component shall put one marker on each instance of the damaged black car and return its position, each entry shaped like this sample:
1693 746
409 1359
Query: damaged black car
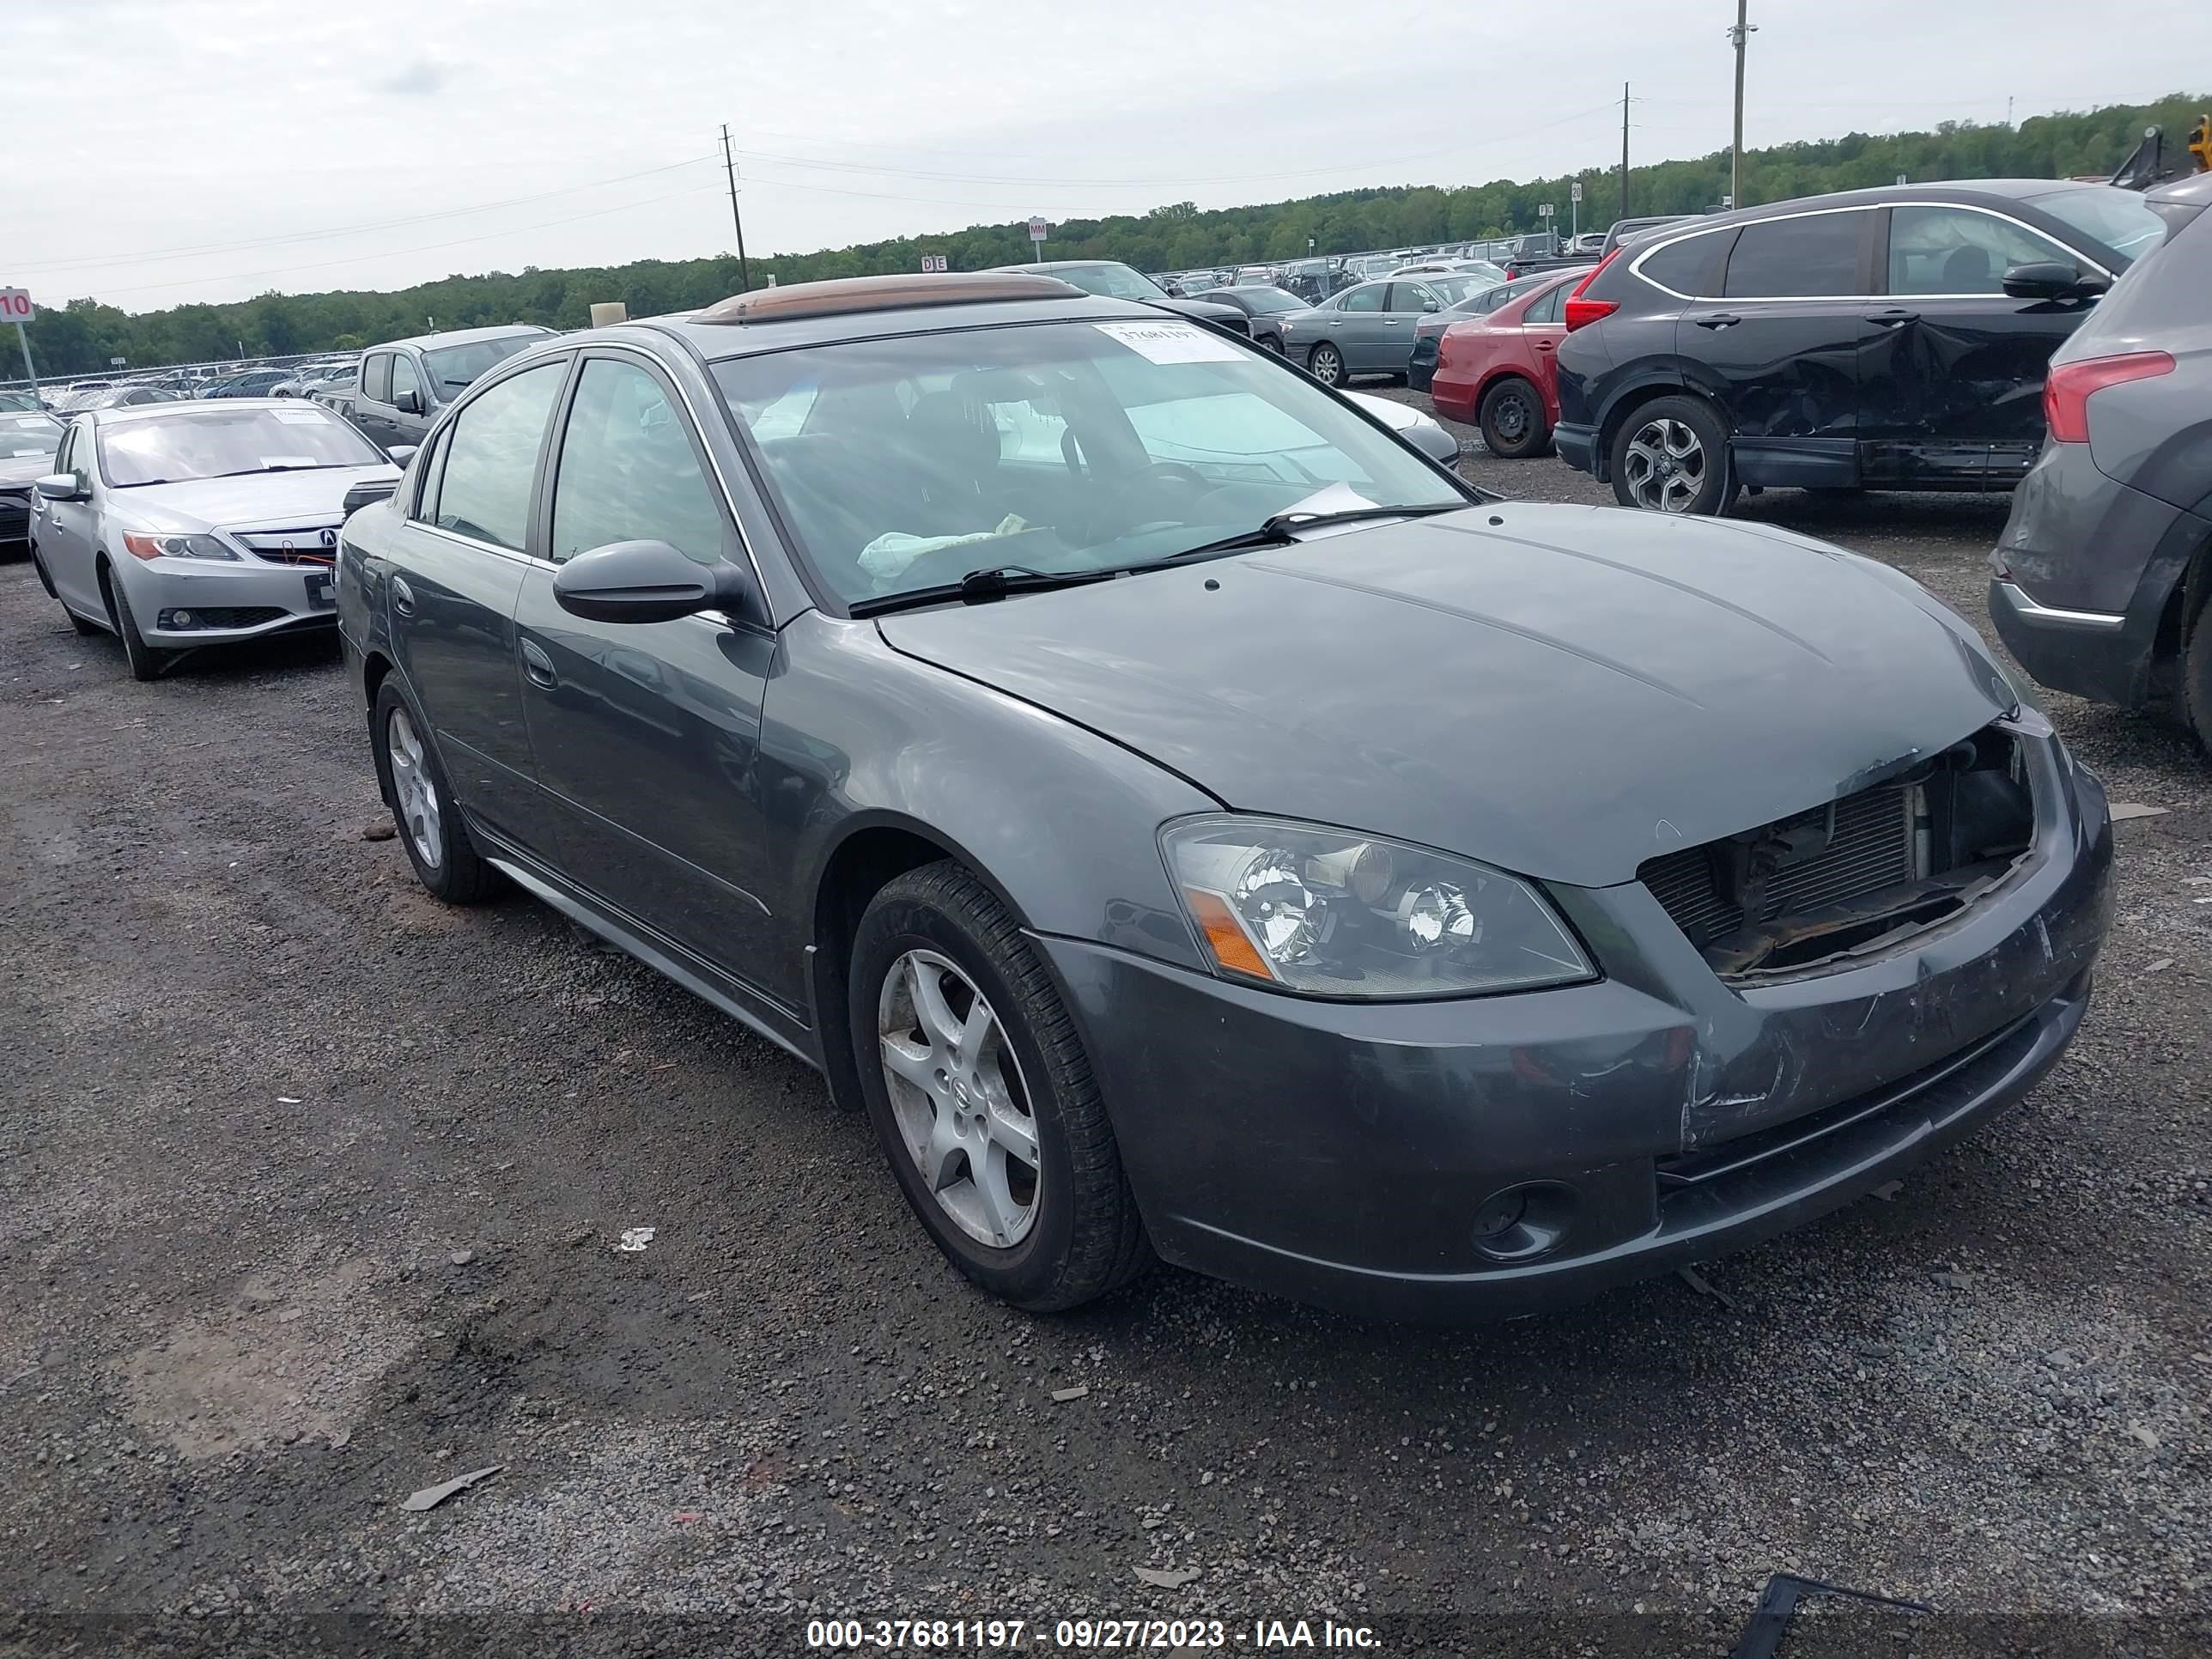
1192 824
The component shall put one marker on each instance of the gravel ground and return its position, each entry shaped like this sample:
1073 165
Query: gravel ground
309 1191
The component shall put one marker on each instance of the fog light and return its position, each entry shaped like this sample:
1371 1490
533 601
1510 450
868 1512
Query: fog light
1521 1223
182 619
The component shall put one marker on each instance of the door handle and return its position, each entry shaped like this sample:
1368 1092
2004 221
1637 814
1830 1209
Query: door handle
1719 319
1545 346
1894 316
538 666
403 597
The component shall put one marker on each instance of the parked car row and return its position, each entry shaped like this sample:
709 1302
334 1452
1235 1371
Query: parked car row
2048 338
1355 768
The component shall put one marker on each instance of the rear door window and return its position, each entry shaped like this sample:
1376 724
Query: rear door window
1936 249
1547 309
1369 298
491 459
1812 256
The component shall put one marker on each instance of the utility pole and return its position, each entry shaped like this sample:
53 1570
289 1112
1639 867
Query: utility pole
1738 35
1624 150
730 167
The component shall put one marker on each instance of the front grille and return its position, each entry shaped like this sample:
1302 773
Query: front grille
1859 873
1869 846
292 546
15 518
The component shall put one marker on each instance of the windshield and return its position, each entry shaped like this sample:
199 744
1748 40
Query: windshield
2117 218
1452 290
904 464
24 435
214 443
1110 281
455 367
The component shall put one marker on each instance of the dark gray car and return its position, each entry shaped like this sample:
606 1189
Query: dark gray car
1188 822
2102 576
401 386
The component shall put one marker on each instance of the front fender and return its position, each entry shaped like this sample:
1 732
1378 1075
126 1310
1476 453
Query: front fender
1060 821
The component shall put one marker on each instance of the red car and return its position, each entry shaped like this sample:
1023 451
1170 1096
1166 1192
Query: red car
1500 371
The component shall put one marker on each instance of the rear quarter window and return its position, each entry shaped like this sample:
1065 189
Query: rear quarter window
1690 267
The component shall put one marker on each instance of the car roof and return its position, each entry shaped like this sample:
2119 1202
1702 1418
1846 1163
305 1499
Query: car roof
1959 190
463 336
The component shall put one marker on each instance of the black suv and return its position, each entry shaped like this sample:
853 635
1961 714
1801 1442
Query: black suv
1889 339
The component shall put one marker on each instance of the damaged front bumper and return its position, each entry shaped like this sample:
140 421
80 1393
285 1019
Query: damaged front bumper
1481 1157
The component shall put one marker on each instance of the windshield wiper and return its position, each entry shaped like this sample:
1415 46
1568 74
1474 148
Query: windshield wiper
289 466
1281 529
993 582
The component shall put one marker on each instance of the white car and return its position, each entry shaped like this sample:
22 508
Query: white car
1411 426
177 525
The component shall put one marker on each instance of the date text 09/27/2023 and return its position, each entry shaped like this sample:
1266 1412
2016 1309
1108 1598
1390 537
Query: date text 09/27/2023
1137 1635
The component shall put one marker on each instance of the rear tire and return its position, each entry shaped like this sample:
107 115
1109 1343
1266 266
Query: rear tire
1670 455
944 987
146 663
1327 365
445 861
1513 423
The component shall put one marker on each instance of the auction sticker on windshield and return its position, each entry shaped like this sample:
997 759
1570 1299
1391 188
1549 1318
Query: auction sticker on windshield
1170 342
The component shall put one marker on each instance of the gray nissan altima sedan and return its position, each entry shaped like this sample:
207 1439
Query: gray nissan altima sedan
1188 822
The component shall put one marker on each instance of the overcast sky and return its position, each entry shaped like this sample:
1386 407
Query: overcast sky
173 151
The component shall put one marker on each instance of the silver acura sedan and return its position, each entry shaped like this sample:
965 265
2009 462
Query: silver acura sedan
177 525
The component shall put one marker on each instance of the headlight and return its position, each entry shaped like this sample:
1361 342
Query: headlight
1286 327
176 547
1327 913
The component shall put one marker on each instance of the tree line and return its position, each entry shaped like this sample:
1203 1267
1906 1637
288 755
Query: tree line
83 336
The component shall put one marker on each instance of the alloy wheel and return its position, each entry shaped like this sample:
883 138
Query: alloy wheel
958 1097
1666 465
1327 366
412 784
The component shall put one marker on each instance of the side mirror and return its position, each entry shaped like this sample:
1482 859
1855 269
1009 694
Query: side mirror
2042 279
402 454
1430 304
646 582
59 486
409 402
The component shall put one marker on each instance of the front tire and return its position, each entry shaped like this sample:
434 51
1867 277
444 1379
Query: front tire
982 1097
1326 364
1513 423
2197 676
1670 455
146 663
445 861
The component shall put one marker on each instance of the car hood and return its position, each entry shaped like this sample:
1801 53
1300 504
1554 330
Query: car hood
24 469
1561 691
273 500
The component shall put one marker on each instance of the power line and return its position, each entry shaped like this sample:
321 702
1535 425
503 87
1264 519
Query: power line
204 248
397 252
826 165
